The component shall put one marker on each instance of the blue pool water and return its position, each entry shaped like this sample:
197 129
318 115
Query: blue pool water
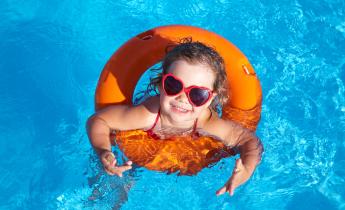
52 53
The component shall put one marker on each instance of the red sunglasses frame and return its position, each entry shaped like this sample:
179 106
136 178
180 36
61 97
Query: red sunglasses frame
186 90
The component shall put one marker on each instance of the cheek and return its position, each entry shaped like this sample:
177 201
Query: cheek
164 100
198 110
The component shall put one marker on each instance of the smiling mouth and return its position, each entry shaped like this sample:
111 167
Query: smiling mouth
179 109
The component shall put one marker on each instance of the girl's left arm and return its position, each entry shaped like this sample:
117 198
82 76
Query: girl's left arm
246 143
250 148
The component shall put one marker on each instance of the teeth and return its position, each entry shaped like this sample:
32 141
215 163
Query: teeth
180 108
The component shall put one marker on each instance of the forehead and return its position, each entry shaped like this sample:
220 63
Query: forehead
193 74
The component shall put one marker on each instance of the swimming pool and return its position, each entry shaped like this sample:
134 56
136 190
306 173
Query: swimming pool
51 55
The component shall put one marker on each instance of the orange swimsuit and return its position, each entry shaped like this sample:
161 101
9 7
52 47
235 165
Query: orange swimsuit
186 155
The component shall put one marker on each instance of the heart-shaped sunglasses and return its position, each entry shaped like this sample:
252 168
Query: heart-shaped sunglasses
196 95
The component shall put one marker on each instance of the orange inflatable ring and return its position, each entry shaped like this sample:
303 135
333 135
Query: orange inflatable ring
181 154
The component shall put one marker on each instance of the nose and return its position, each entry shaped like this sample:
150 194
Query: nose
182 97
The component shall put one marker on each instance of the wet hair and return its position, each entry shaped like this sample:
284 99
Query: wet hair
195 52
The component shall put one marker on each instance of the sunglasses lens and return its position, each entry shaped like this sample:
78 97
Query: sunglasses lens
199 96
172 86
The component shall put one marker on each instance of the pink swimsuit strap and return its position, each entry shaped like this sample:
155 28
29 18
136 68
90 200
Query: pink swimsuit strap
150 131
155 136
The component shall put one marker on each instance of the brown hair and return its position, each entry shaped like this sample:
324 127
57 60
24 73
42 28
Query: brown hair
196 52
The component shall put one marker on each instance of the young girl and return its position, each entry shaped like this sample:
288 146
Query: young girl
192 83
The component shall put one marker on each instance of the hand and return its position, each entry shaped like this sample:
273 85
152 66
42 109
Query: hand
109 163
239 176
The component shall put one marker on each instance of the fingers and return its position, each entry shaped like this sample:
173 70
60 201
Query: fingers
233 182
117 170
109 172
108 159
109 163
120 169
232 188
221 191
228 187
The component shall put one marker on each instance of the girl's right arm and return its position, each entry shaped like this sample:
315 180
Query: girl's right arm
117 117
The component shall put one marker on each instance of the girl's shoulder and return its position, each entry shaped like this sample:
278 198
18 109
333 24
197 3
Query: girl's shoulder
129 117
151 105
214 125
219 127
148 111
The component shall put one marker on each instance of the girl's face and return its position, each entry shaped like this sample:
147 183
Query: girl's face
178 108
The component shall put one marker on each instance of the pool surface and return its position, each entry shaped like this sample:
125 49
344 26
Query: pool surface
52 53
